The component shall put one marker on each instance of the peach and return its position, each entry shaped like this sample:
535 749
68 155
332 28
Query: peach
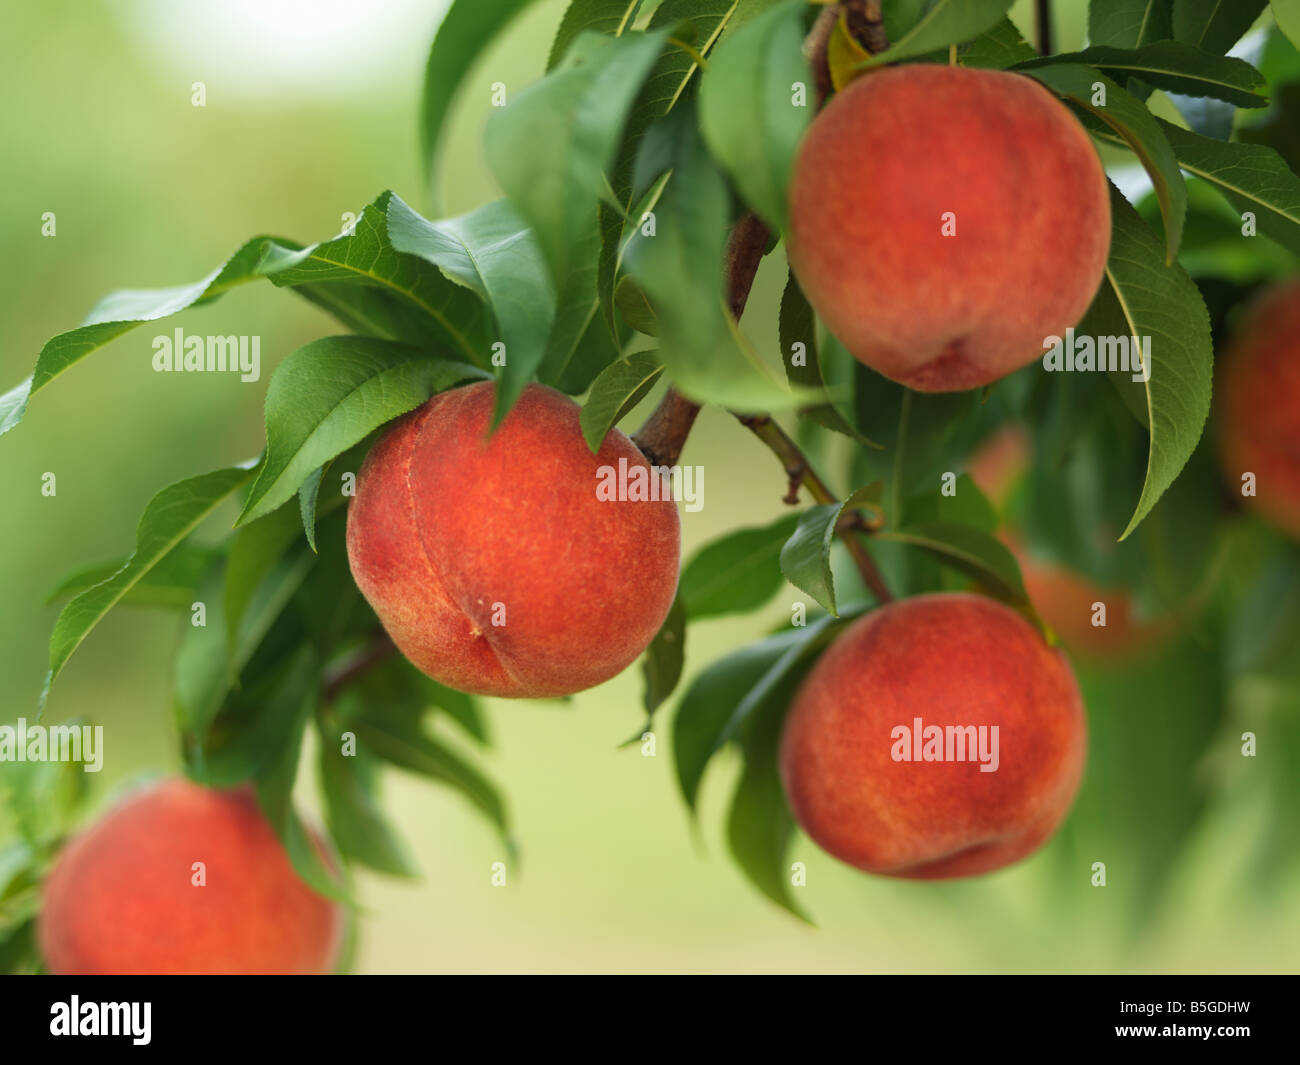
1066 601
999 462
944 221
122 897
492 561
1258 413
856 752
1063 598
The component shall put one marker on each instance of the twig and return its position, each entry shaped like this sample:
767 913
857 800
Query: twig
377 649
865 21
664 433
801 472
814 49
749 239
1043 25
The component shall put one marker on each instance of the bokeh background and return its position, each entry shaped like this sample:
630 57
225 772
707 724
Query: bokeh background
311 111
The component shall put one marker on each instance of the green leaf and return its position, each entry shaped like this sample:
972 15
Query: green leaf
969 551
463 709
700 725
618 388
1264 626
19 953
492 252
119 312
551 150
750 115
398 688
671 80
201 668
967 505
1177 67
806 556
634 308
253 553
1129 23
291 708
798 334
329 607
997 48
226 676
425 306
170 517
917 428
680 269
308 494
737 572
945 22
1286 13
330 394
268 601
172 583
262 575
400 740
735 694
357 821
662 667
1154 728
465 32
1214 26
359 278
760 824
1140 296
1128 117
610 17
1253 178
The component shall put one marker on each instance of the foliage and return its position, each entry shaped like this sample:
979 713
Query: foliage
686 114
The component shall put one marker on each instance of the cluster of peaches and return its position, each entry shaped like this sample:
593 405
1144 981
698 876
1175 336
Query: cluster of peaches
496 570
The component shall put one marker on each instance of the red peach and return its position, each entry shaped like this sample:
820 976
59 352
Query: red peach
121 899
1063 598
492 562
960 663
944 221
1258 411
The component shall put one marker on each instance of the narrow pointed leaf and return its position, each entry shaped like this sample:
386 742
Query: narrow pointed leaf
618 388
330 394
169 517
1128 117
806 556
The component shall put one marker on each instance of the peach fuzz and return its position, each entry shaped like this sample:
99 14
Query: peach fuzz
491 561
1258 408
121 899
951 660
895 156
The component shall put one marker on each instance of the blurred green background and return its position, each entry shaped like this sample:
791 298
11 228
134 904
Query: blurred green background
312 111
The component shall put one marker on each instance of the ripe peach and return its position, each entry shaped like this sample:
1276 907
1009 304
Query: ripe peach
1066 601
1258 411
121 899
945 220
493 563
999 463
978 672
1063 599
